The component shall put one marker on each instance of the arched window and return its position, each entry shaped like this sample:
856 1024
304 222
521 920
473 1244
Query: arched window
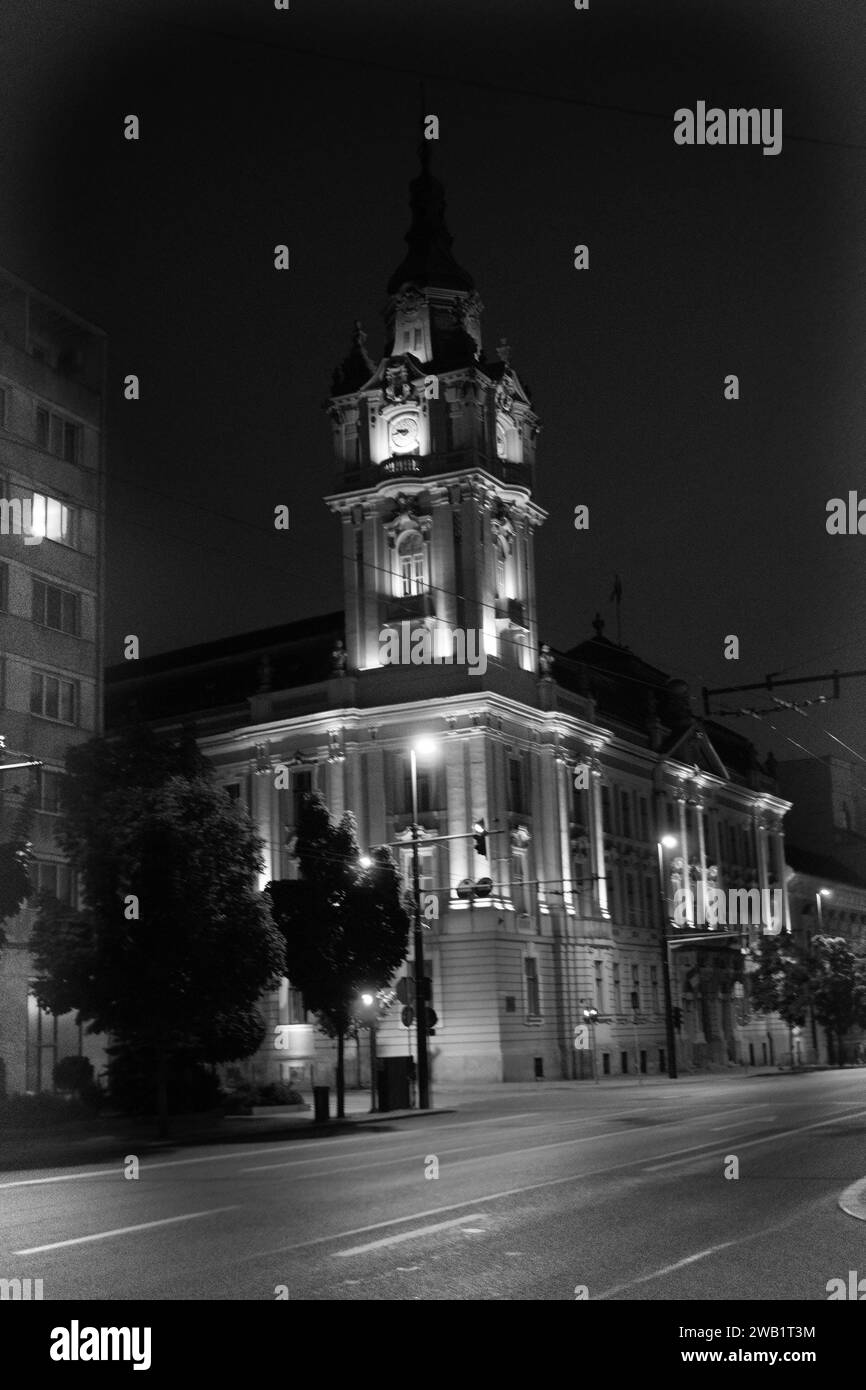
410 556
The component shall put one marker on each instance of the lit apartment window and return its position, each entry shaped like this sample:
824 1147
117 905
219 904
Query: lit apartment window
411 560
533 996
56 608
53 698
53 520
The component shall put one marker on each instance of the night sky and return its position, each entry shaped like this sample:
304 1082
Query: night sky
261 127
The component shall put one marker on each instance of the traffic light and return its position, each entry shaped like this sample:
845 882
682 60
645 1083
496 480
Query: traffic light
677 1016
479 835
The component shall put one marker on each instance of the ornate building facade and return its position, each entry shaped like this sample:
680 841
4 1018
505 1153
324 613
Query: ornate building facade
580 763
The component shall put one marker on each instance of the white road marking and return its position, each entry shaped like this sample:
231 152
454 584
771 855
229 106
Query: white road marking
738 1124
666 1269
853 1200
122 1231
406 1235
514 1192
692 1153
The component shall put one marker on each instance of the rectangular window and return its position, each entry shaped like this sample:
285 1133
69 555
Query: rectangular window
625 812
426 880
632 914
644 820
607 811
296 1011
533 996
4 588
56 879
425 789
50 798
2 407
635 986
515 785
617 991
599 986
56 608
302 785
43 428
53 520
518 881
654 987
71 434
500 574
53 698
233 791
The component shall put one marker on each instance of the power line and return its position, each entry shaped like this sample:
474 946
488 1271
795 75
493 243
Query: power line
354 62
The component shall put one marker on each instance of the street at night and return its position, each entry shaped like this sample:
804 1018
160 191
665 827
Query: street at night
544 1191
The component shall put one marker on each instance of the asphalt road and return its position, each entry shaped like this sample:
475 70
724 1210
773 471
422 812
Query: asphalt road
542 1192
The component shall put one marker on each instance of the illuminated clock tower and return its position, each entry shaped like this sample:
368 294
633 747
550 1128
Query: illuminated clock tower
435 451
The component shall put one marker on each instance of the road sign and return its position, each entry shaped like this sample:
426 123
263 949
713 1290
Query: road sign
581 1038
407 1016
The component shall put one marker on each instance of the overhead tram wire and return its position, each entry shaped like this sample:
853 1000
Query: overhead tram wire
403 73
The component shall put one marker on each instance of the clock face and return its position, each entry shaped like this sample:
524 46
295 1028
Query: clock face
403 434
500 439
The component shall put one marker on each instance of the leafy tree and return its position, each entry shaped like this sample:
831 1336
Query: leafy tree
16 855
345 927
174 944
838 989
781 983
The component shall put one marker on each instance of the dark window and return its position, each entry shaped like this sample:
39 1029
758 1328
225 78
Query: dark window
607 811
623 1062
233 791
4 587
533 997
625 812
663 1061
510 1004
53 698
302 785
56 608
2 407
605 1063
52 784
515 785
425 789
70 442
43 428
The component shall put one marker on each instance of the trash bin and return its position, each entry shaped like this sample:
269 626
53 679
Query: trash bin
321 1103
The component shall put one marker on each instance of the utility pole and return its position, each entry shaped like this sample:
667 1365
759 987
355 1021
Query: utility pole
420 987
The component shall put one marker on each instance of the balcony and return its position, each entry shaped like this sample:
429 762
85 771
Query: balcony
409 607
431 465
513 611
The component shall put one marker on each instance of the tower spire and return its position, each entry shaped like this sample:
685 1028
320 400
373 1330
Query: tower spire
429 262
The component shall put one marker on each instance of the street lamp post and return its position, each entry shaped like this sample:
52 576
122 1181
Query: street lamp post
424 746
667 841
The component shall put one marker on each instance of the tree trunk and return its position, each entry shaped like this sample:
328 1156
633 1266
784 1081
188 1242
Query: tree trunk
341 1076
162 1094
